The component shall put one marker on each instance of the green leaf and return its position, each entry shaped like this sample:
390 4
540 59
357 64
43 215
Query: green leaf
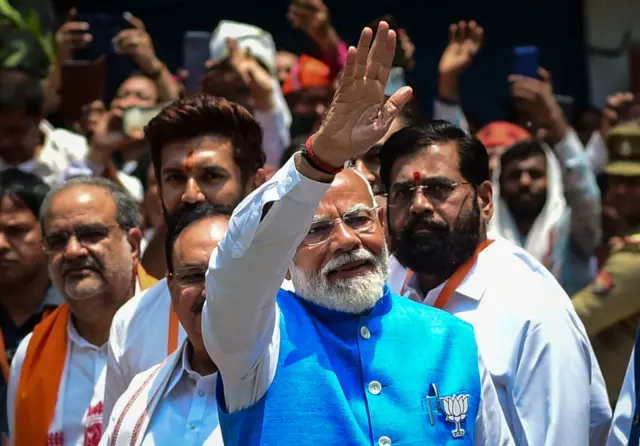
14 54
10 13
33 22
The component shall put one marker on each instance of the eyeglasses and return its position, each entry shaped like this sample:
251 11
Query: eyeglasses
86 236
401 195
359 220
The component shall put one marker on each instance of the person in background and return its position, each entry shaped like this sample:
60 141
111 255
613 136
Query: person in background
184 408
241 78
204 150
285 61
153 217
498 136
27 141
90 231
27 293
439 205
320 227
308 92
314 19
259 46
546 198
609 307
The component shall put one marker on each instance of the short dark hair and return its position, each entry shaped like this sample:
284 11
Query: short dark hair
202 114
127 214
24 189
19 91
474 161
410 113
521 151
187 217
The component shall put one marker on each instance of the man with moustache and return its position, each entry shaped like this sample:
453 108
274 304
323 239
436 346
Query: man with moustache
204 150
91 234
535 347
341 360
184 406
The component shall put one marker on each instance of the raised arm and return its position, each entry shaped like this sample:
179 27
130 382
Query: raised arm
239 321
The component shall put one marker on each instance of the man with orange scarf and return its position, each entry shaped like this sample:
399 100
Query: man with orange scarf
91 234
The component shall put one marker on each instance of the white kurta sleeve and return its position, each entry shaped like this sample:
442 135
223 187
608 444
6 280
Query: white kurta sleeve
12 388
551 391
491 427
626 406
240 325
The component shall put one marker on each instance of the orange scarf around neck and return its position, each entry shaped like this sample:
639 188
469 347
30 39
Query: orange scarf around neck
42 369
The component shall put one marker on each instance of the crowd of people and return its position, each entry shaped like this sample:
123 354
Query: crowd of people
295 255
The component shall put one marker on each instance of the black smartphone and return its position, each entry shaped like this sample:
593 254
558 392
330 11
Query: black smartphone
103 28
526 61
195 53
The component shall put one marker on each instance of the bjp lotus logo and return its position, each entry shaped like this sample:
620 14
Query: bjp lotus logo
455 408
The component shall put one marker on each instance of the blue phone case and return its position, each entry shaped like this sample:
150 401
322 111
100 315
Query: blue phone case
526 61
196 53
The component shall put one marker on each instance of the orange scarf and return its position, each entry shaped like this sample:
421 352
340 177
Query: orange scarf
42 370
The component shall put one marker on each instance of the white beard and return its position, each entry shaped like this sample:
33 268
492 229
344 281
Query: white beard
353 295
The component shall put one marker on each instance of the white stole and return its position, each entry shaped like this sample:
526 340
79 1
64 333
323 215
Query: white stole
133 421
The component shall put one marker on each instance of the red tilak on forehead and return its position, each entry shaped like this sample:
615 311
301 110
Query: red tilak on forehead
189 161
416 176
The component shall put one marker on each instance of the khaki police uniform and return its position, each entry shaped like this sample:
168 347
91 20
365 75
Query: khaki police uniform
610 306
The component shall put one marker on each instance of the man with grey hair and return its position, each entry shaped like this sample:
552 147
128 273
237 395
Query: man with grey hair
91 234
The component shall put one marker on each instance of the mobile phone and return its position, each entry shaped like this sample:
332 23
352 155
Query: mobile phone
526 61
196 53
103 28
136 118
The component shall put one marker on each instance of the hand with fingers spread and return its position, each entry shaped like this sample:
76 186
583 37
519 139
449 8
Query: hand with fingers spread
534 98
72 36
465 40
137 43
614 111
359 116
253 75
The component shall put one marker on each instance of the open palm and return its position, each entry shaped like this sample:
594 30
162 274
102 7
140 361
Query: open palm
465 40
359 116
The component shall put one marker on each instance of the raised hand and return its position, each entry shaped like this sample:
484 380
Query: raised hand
253 75
618 105
311 16
72 36
137 43
359 116
465 40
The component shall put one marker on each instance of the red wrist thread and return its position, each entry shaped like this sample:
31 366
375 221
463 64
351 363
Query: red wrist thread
317 162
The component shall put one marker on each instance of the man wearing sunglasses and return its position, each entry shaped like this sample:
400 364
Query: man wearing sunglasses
535 347
92 237
340 360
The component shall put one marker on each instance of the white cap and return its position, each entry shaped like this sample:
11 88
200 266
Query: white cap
249 37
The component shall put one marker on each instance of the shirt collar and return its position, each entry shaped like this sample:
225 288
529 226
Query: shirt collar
184 369
81 342
472 287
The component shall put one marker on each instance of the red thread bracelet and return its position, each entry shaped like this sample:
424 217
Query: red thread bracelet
327 168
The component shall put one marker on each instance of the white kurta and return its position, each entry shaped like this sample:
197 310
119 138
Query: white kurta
138 340
239 319
548 380
184 412
86 363
625 408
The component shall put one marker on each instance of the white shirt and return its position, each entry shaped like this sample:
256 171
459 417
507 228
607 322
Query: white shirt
533 344
625 408
86 363
186 414
239 326
138 340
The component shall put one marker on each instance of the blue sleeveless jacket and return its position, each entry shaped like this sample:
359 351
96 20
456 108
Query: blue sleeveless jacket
388 377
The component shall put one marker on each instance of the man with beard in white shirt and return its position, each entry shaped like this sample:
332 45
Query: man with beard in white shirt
203 149
534 345
174 402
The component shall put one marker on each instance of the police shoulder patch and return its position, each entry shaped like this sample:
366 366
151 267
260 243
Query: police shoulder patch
603 283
